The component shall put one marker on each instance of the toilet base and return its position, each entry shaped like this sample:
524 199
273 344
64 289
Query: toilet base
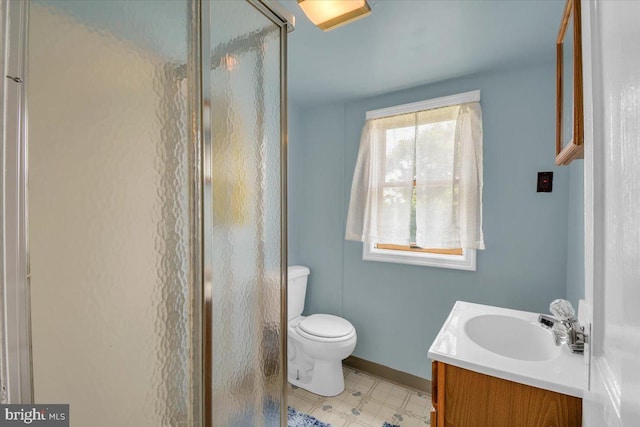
325 379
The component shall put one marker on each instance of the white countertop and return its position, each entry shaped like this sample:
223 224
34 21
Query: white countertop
564 373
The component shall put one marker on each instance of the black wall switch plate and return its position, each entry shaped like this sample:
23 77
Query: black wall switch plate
545 182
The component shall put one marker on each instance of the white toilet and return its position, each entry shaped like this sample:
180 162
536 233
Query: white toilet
316 344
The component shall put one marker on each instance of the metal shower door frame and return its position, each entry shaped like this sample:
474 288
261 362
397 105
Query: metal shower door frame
15 360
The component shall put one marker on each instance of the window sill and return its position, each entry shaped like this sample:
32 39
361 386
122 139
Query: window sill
466 261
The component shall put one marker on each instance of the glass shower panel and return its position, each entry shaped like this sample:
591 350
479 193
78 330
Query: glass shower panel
246 247
114 293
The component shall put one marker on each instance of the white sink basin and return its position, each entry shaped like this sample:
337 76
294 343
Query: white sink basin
508 344
512 337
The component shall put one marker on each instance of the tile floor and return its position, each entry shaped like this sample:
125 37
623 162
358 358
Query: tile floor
367 401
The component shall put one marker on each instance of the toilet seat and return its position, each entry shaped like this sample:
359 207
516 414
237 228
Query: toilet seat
325 328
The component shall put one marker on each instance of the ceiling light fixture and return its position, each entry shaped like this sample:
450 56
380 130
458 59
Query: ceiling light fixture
329 14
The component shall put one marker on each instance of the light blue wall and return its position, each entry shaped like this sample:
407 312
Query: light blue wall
398 309
575 233
295 180
322 207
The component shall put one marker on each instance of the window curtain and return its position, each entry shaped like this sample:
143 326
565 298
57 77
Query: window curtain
442 149
380 206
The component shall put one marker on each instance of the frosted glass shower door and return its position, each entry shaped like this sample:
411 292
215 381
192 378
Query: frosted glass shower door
112 225
246 252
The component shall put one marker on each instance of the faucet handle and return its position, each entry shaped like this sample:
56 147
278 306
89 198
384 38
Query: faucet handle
560 333
562 309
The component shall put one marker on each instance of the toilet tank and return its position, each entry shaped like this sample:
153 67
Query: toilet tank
296 290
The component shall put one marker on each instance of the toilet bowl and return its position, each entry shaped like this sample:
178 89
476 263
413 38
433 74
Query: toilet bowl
316 344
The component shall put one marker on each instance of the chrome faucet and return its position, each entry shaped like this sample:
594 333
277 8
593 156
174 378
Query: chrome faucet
564 325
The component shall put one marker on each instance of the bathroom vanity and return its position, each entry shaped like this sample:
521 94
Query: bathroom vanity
462 398
499 367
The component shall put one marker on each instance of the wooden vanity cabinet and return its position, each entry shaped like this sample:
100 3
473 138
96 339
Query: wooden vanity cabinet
464 398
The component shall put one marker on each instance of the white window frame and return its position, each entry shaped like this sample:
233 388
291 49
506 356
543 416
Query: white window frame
466 261
429 104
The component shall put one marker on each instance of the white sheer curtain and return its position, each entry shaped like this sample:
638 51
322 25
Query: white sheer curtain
442 149
380 207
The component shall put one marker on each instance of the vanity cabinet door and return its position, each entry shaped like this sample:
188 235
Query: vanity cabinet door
464 398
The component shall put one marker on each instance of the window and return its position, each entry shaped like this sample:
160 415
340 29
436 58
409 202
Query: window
416 195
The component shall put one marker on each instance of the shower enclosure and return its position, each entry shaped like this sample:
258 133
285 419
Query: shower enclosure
144 210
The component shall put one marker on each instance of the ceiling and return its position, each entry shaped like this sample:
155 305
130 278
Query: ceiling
402 44
406 43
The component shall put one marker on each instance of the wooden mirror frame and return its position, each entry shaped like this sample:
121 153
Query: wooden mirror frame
574 149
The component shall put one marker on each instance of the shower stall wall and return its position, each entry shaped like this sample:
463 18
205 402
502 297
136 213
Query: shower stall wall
155 210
